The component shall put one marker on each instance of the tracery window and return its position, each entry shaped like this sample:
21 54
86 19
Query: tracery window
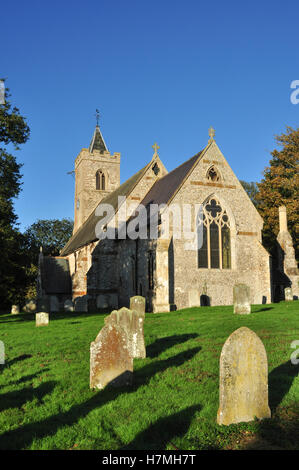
100 180
213 174
215 249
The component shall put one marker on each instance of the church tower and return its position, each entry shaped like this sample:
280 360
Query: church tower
97 173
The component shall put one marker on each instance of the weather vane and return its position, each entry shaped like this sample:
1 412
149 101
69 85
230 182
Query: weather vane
97 115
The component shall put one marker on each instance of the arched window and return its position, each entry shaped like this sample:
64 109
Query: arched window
214 247
100 180
151 270
213 174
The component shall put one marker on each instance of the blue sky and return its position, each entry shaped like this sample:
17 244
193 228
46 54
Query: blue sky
160 71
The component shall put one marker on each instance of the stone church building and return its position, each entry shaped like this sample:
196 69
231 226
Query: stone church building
104 274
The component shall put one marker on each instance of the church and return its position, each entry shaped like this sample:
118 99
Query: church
102 274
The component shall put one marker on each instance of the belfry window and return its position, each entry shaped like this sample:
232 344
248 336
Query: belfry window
100 180
213 228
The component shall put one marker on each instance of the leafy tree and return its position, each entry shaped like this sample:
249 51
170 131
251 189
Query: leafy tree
51 235
280 186
13 130
252 190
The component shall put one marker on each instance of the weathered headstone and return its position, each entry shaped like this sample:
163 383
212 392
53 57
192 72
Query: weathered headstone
68 306
242 299
243 387
194 298
137 303
102 302
81 304
111 362
30 306
42 319
54 303
288 294
132 322
15 309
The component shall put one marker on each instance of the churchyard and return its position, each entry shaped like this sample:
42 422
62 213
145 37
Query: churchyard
47 403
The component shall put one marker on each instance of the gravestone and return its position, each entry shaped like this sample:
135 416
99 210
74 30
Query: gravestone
30 306
68 306
81 304
288 294
102 302
242 299
54 304
132 322
137 303
243 387
15 309
111 362
194 298
42 319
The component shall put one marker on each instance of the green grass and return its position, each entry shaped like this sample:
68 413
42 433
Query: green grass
46 403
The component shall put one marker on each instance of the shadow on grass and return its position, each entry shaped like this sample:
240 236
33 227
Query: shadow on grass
18 398
161 344
25 317
164 430
18 359
264 309
21 438
280 381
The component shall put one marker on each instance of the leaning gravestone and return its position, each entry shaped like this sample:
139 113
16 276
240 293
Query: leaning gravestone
42 319
137 303
243 388
132 322
242 299
111 362
15 309
288 294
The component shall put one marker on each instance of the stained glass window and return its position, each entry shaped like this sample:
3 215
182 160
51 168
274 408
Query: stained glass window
214 248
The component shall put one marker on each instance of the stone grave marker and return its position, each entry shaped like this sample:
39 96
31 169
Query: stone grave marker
42 319
132 322
194 298
242 299
111 362
288 294
137 303
68 306
15 309
243 387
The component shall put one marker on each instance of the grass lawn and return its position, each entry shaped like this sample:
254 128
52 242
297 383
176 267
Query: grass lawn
46 403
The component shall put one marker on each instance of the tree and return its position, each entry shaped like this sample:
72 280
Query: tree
252 190
13 130
51 235
280 186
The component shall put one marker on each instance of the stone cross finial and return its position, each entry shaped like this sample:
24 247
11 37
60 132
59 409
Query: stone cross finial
155 147
211 134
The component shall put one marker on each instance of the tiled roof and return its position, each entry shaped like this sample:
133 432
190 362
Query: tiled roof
86 233
97 141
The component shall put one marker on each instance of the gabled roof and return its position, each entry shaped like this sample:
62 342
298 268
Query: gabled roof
97 141
163 189
86 233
